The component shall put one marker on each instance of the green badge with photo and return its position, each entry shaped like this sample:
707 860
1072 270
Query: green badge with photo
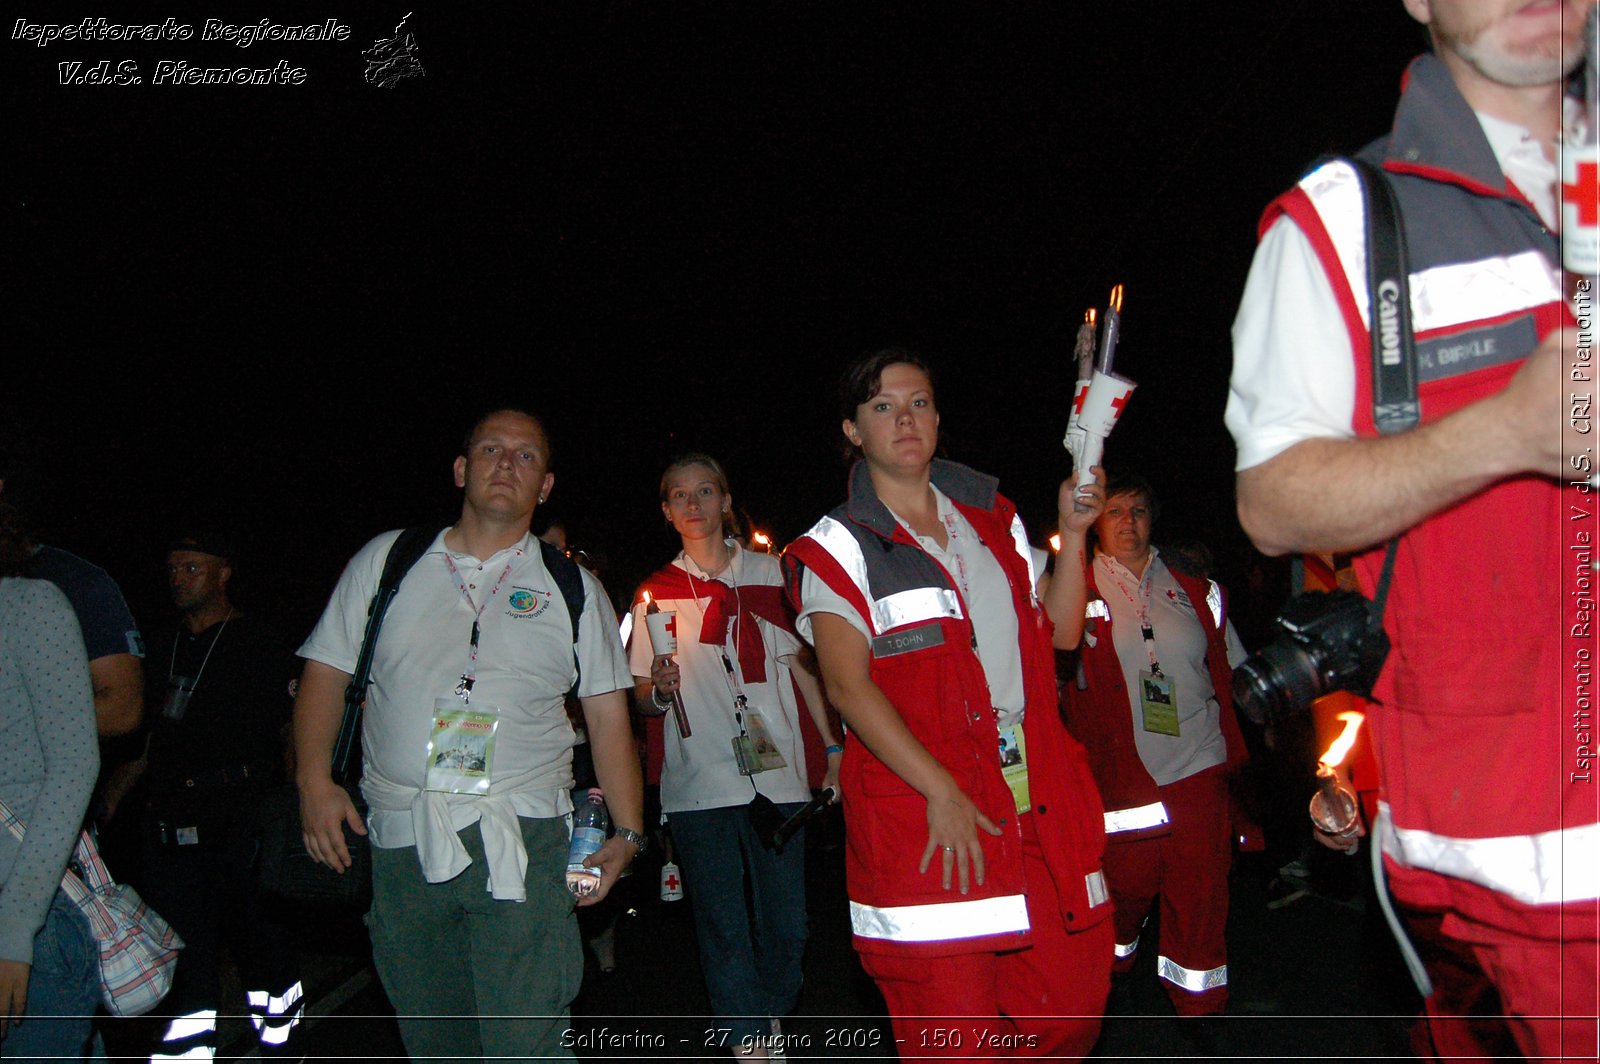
1158 703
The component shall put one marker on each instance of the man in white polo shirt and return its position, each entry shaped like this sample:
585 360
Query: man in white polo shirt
473 929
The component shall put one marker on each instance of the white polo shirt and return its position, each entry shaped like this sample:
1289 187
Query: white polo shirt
524 668
1180 648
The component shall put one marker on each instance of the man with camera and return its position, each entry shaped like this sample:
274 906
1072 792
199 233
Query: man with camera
1483 821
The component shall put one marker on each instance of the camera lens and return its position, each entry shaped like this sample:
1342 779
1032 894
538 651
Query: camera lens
1275 682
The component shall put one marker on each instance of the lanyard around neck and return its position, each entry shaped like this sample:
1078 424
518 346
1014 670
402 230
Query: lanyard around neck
1141 607
470 675
172 666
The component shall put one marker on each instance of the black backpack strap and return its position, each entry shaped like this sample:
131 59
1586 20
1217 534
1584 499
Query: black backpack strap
569 579
411 546
1394 356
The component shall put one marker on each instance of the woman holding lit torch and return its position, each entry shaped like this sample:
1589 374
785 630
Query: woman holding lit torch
1155 708
734 765
973 826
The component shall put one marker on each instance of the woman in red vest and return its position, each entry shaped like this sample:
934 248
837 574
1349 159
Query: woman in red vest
973 828
741 766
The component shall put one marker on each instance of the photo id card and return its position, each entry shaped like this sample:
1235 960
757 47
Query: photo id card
1158 704
1014 765
461 747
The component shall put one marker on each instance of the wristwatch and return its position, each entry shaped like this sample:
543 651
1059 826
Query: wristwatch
639 841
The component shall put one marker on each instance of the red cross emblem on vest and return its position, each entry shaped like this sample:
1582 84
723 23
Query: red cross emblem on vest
1585 195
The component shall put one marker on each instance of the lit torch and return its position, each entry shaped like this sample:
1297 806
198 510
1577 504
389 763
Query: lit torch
1107 395
1083 354
664 643
1334 807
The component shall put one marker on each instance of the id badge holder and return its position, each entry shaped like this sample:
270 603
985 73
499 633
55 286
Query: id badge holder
179 690
766 751
461 747
1158 704
1014 765
746 756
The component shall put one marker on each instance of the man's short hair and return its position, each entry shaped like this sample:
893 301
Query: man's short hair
544 432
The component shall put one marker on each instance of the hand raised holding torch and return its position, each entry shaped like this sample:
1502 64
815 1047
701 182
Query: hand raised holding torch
1104 399
664 672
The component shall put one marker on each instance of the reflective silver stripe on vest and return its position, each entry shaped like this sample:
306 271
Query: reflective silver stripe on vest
1214 600
1444 295
942 921
1019 539
1197 982
1544 869
1128 950
903 607
918 604
1145 816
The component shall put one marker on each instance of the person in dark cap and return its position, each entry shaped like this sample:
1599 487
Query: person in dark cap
219 712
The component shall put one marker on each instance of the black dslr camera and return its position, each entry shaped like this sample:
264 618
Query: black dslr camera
1326 641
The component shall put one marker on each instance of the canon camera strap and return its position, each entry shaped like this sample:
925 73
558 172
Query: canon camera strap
1394 354
1394 350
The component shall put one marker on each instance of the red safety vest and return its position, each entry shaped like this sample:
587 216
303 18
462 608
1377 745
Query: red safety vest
924 661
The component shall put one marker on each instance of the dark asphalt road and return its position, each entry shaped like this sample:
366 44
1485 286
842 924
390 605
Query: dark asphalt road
1315 979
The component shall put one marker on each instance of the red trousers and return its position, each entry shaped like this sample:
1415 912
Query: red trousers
1043 1001
1188 870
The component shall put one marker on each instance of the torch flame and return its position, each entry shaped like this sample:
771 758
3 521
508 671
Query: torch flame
1055 542
1340 747
1116 299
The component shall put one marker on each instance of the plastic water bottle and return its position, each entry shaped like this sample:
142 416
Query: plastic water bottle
590 825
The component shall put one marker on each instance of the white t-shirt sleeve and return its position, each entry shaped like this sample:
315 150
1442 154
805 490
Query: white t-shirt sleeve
817 597
1293 377
336 640
600 654
640 653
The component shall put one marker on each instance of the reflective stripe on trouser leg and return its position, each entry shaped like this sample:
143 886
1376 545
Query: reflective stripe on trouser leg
274 1016
189 1037
1120 951
1190 979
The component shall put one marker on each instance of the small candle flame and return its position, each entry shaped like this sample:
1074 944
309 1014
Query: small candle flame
1088 316
1340 747
1116 299
1055 542
647 598
762 540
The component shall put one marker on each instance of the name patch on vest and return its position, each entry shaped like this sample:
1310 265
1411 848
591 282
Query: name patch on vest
1451 356
919 638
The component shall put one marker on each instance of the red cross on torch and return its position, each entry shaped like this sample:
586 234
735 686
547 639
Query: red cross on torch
1585 195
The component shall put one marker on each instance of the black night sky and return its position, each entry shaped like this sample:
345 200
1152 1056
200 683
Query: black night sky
663 225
